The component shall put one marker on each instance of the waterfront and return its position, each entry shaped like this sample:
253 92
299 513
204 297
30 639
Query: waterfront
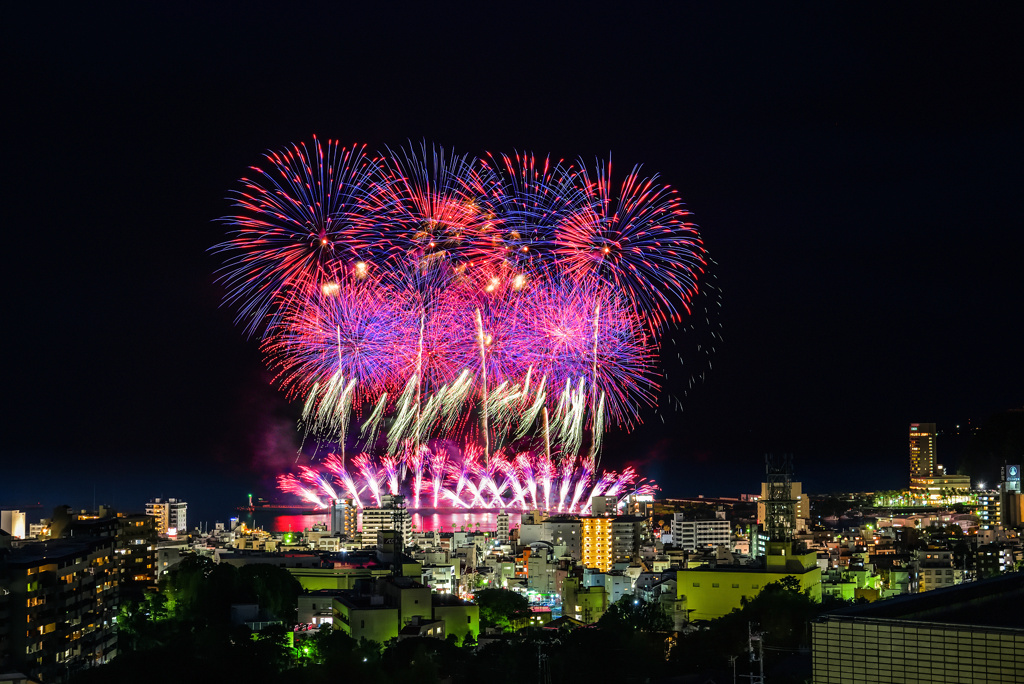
422 521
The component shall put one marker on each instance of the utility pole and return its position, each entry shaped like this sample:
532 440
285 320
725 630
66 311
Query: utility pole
755 656
543 673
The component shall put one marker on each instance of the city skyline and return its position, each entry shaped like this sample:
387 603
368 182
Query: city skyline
852 180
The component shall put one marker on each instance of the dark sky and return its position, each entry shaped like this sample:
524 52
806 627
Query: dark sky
856 175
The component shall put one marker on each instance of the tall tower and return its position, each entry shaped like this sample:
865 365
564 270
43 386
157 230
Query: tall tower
780 506
922 450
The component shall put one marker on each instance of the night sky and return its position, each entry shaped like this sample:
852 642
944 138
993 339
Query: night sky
856 176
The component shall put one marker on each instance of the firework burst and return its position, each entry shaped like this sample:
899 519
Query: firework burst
511 302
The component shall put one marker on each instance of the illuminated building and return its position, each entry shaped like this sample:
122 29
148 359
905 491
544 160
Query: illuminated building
941 489
564 531
691 535
993 559
922 450
1011 478
170 514
801 508
929 482
502 535
344 574
989 510
540 568
13 523
316 607
639 504
62 599
629 532
586 604
596 543
344 517
935 569
392 515
971 633
1011 500
712 592
136 551
397 602
604 505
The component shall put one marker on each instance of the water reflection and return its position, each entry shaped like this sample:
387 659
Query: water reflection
422 521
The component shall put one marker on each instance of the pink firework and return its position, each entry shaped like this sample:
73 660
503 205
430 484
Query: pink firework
588 333
527 481
352 325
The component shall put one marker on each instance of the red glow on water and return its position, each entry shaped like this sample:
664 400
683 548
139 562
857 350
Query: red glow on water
441 521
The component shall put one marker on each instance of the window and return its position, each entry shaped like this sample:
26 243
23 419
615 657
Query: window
362 623
714 585
469 619
696 584
735 586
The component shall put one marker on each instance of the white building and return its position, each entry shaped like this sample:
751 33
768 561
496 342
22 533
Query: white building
565 532
442 578
691 535
13 523
170 515
392 515
540 568
502 528
604 505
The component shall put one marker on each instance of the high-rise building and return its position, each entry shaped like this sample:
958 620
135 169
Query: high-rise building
989 509
502 528
391 515
136 551
170 515
628 535
922 450
344 517
929 481
62 601
596 541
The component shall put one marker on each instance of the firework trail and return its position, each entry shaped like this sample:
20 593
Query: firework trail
526 482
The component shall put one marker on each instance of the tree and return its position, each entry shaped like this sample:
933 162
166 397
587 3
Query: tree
631 614
275 589
501 608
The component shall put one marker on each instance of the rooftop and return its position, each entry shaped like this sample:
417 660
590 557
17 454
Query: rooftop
994 602
34 553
